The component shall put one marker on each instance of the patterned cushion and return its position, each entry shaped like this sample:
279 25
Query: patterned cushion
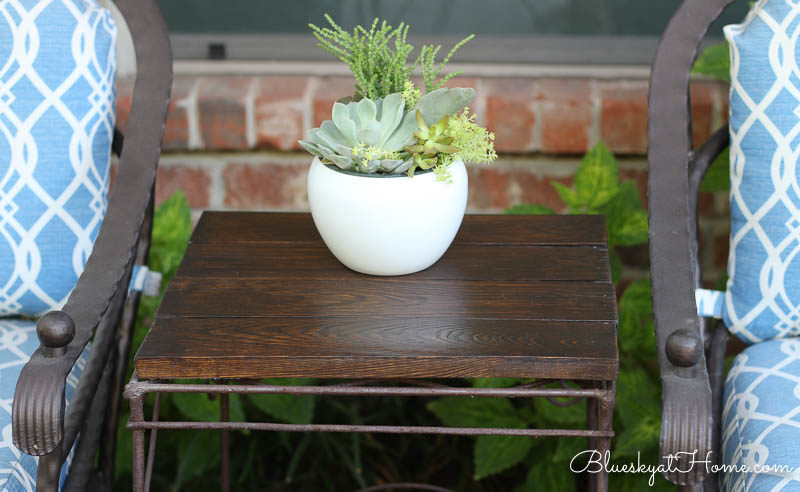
57 69
17 342
761 417
762 302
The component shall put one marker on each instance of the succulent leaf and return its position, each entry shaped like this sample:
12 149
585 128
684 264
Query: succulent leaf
310 147
436 104
366 112
391 114
341 117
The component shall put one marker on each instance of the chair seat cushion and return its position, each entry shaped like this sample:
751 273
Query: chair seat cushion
761 418
18 341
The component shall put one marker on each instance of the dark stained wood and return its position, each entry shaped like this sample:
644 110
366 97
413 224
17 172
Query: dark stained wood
390 296
372 346
313 261
259 295
245 227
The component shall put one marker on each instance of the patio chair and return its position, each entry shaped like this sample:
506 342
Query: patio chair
57 74
749 418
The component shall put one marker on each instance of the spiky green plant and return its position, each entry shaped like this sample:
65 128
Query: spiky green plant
379 68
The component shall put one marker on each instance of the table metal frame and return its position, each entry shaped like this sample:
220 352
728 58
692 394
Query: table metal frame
600 397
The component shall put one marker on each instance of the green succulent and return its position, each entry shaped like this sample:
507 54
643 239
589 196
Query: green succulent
430 142
371 136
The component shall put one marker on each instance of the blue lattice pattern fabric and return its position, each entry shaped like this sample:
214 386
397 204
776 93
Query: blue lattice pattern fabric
762 298
57 71
761 418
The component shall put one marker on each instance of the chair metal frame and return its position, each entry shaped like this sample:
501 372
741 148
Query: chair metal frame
691 349
100 307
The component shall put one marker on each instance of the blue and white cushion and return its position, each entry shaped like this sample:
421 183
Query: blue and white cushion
762 299
57 70
18 341
761 418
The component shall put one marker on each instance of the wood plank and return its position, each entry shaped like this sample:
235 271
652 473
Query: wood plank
388 297
232 227
377 347
311 261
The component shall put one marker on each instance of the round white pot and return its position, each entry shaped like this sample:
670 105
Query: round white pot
386 224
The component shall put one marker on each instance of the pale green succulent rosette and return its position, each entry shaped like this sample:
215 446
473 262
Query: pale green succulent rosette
371 136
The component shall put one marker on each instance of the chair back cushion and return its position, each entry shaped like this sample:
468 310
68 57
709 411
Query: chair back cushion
57 72
762 300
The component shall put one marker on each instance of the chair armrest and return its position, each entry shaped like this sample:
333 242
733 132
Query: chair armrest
38 408
686 422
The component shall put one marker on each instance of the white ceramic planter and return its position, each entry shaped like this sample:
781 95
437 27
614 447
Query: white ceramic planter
386 225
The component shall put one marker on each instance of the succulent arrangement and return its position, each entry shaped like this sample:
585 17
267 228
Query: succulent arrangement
388 126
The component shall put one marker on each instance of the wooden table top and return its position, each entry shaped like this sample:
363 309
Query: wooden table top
259 295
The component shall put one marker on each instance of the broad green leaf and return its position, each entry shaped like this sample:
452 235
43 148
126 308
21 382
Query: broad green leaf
172 227
638 397
550 413
616 266
495 382
568 195
568 448
530 209
459 411
714 61
642 436
494 454
294 409
626 220
199 407
718 176
636 332
596 180
545 475
198 451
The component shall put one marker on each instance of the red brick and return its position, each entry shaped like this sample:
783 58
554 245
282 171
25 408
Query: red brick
194 183
702 111
705 205
509 114
623 119
538 188
176 131
328 91
221 104
275 185
721 245
279 108
566 115
123 103
488 188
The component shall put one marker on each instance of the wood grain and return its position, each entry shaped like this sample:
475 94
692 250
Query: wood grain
315 261
378 347
259 295
294 228
395 296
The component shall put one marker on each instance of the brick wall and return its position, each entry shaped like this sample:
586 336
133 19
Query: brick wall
231 140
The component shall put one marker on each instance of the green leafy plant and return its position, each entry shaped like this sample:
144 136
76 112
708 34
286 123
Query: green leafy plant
369 133
714 61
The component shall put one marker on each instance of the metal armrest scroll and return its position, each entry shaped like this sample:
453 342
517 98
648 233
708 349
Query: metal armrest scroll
38 408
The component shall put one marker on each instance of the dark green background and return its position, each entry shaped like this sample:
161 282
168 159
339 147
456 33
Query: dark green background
435 17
